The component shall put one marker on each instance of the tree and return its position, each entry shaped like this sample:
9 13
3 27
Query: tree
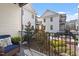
29 32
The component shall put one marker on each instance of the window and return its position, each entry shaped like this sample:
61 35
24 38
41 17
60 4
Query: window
33 16
51 19
51 27
44 27
44 20
32 27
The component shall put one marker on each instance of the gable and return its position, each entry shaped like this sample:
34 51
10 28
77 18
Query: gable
49 13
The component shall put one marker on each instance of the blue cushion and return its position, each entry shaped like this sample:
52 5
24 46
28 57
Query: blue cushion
4 36
10 47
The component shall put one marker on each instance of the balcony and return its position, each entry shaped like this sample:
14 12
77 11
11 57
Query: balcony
39 22
53 44
42 43
62 22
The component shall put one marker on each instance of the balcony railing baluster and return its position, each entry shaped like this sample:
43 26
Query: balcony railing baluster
49 44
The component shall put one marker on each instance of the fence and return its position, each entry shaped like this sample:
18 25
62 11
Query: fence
54 44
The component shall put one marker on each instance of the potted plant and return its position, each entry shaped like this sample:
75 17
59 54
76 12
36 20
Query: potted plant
16 40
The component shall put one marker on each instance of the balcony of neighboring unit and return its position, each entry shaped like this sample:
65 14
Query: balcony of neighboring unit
63 16
62 22
39 22
62 30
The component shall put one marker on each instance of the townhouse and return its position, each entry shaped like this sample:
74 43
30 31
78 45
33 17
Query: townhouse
12 16
10 19
71 24
53 21
29 15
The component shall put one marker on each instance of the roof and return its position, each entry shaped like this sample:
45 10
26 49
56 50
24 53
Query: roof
52 13
71 21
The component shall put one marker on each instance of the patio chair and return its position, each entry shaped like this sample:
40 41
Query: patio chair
9 50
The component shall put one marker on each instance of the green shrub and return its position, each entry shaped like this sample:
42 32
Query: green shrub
58 46
16 39
57 43
60 49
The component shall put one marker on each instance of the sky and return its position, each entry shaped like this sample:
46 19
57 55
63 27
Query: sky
69 8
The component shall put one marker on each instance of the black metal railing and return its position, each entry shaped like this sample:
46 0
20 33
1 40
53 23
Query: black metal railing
54 44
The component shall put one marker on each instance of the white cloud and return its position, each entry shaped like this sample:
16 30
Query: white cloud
38 15
72 17
62 12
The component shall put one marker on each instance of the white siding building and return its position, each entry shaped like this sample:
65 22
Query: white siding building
29 15
10 18
71 24
51 21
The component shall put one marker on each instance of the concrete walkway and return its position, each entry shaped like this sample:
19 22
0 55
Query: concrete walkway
31 52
